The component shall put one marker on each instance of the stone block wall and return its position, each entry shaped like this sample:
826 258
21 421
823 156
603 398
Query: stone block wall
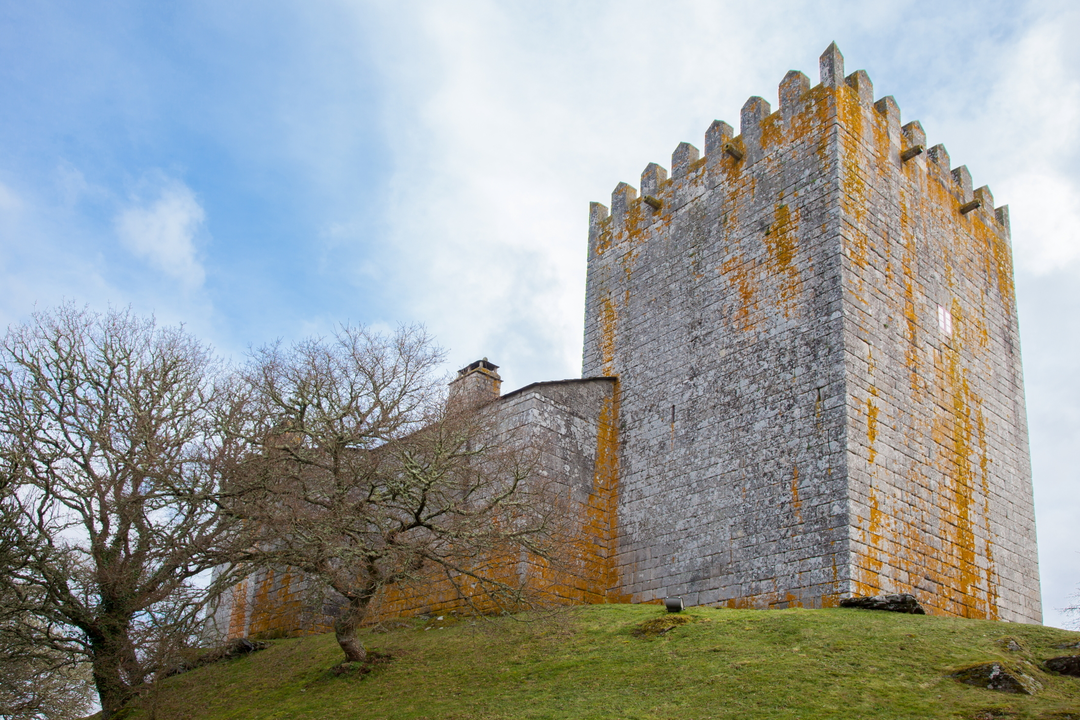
716 298
938 468
802 382
574 423
794 426
273 602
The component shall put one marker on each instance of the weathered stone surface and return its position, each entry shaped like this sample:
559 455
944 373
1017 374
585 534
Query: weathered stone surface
1000 677
1069 645
903 603
1066 665
819 371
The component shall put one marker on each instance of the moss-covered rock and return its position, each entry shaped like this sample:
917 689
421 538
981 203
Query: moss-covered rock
999 676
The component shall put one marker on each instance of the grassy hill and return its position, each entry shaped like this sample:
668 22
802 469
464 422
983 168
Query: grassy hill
594 662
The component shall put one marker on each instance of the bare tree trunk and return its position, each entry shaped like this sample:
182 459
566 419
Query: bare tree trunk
108 660
347 624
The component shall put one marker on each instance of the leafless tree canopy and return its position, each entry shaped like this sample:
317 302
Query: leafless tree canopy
39 677
364 479
111 448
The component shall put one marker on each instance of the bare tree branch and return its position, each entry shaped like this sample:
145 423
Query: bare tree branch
365 480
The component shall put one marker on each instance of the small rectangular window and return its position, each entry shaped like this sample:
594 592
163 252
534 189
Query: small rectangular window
944 321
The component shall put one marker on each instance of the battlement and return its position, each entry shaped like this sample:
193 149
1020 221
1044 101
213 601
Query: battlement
837 100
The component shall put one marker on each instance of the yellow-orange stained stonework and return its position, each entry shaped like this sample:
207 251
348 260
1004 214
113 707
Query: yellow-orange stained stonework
811 225
927 526
277 603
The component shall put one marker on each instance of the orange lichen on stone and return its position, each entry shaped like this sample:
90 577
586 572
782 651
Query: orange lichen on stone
772 131
607 335
871 427
603 507
238 612
781 244
738 273
796 503
603 239
853 194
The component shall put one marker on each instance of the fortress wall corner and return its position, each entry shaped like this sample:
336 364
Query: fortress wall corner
939 471
716 300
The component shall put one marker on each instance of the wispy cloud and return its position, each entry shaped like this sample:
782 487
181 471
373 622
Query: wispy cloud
9 201
510 119
1045 214
163 232
1038 99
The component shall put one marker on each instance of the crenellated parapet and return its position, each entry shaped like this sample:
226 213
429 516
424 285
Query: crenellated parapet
762 131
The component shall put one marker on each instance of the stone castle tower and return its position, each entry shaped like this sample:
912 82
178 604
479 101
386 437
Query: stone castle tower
801 380
815 337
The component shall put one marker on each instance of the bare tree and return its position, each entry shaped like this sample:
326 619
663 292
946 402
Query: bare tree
365 479
111 448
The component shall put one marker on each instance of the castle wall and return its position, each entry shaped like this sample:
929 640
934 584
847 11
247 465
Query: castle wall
939 473
571 425
716 299
574 424
272 602
802 381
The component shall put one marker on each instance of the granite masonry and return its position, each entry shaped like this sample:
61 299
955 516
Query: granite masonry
801 375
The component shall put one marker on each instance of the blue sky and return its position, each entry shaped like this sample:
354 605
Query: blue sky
268 169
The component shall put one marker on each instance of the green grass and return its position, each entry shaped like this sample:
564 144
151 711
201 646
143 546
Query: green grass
588 663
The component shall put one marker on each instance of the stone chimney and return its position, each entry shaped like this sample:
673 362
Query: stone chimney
477 383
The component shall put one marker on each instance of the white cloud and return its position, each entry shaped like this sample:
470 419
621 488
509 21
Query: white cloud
1033 115
9 201
1045 218
508 120
163 232
72 186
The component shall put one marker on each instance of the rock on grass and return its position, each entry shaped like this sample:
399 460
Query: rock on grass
999 676
903 603
1066 665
